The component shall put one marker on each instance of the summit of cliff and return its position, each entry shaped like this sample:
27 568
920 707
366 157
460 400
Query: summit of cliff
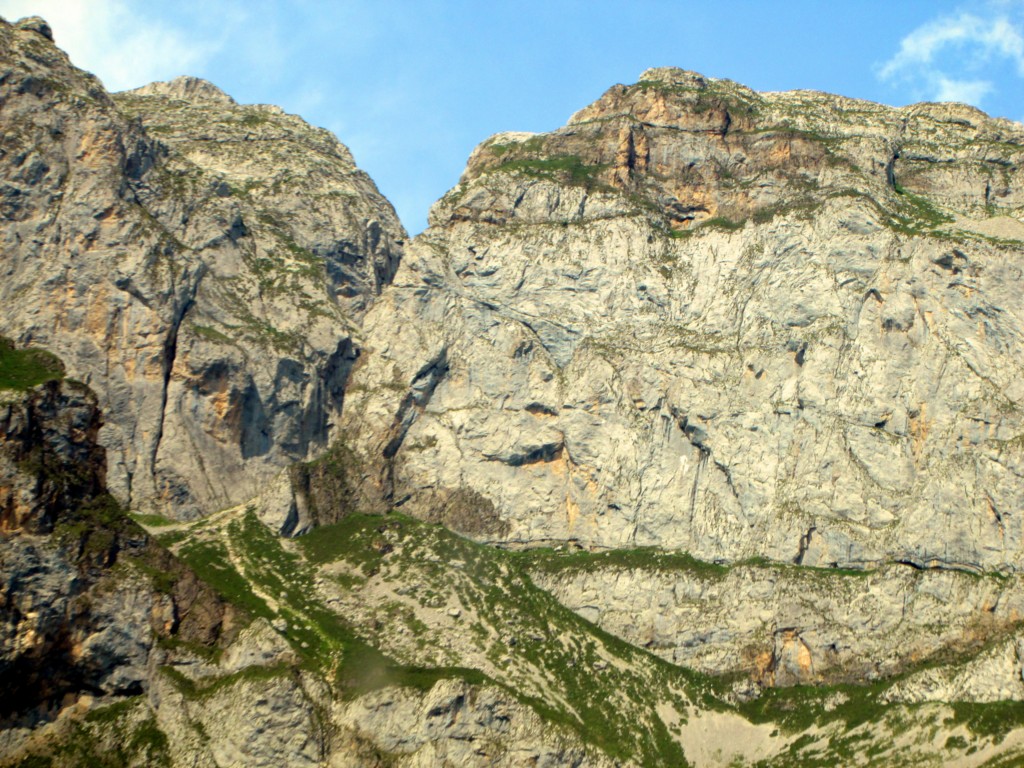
185 88
690 149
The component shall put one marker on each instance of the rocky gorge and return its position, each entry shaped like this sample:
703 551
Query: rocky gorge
689 433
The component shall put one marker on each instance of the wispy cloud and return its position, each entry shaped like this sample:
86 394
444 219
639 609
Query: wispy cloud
967 91
932 60
126 48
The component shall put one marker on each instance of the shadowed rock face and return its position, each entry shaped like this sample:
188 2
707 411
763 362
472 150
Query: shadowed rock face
78 612
699 317
200 264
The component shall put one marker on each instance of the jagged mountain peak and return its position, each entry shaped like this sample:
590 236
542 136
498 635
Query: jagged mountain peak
36 24
185 88
241 245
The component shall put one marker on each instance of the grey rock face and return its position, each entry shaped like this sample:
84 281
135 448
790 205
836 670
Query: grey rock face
288 719
785 625
707 319
267 721
65 628
454 724
202 265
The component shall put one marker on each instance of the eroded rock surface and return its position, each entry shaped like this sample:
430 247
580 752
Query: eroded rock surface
707 319
84 594
202 265
788 625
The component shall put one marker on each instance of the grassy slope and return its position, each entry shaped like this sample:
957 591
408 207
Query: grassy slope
507 632
375 601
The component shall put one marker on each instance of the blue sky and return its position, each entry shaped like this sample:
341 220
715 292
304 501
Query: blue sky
411 86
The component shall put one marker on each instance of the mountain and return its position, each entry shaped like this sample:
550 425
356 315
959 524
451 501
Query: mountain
201 265
687 434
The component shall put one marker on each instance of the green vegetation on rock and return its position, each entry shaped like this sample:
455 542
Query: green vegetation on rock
22 369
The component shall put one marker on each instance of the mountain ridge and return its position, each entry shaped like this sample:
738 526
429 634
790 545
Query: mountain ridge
687 434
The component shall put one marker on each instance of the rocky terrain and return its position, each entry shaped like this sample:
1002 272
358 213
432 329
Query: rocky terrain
87 599
689 433
706 319
201 265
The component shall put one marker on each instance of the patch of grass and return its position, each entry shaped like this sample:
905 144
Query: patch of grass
644 558
798 708
211 334
253 119
916 214
993 720
22 369
348 541
565 169
210 561
113 712
724 224
197 690
653 559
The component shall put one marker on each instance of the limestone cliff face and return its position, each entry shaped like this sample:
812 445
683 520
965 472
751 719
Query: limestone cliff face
698 317
202 265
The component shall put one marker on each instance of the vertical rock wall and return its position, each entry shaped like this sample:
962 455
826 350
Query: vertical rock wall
203 266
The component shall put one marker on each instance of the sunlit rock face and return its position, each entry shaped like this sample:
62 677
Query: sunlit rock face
786 325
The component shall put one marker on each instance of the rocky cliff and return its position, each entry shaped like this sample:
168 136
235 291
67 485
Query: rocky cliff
114 653
85 596
687 434
701 318
202 265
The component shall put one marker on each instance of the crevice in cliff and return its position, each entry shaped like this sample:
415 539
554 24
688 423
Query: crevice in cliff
890 169
169 357
421 389
804 545
724 469
933 564
701 464
543 454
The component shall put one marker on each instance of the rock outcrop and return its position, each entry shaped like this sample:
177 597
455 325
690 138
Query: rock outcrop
707 319
784 625
84 593
202 265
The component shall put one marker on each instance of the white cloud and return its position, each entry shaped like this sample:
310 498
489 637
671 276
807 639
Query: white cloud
983 39
934 57
111 38
967 91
